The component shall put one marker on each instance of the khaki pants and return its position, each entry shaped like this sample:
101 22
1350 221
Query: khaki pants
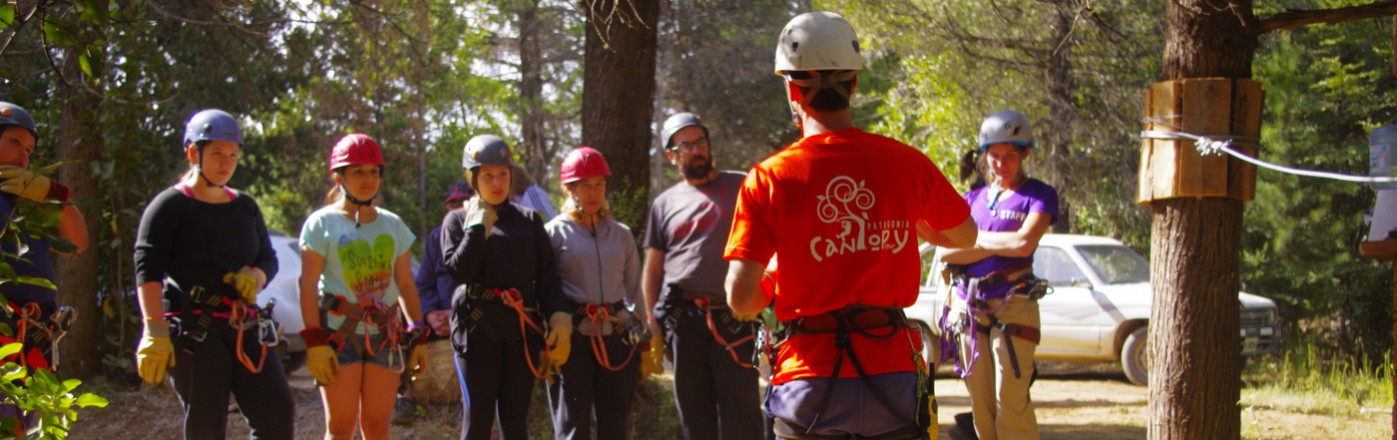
1000 401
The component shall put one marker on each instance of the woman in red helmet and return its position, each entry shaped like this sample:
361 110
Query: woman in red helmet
357 293
599 264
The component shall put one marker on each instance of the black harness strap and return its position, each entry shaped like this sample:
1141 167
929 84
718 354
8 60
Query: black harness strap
846 323
1011 331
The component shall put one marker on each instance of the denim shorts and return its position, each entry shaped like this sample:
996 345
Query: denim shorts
355 351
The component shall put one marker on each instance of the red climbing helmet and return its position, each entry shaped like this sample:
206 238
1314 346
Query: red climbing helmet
355 149
581 163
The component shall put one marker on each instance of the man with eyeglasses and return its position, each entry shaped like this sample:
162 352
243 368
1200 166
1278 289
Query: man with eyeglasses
715 386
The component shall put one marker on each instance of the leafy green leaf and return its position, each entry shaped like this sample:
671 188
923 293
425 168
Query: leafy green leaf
89 399
10 349
12 372
71 384
36 281
7 15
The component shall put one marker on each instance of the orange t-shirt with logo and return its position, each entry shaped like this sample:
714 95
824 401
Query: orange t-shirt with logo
840 209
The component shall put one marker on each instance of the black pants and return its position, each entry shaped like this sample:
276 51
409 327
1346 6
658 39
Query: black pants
717 398
501 383
204 380
586 388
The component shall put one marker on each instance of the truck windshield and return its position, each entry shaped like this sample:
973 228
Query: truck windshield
1116 264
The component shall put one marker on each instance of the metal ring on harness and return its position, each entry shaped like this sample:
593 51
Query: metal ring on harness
703 302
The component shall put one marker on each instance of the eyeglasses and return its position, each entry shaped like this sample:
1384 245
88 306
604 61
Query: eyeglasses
696 144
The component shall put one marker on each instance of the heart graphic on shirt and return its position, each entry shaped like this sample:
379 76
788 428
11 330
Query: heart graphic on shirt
367 269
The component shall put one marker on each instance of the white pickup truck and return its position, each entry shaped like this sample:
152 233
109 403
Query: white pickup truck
1099 310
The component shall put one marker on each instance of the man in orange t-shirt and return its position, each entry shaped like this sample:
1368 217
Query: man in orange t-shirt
840 207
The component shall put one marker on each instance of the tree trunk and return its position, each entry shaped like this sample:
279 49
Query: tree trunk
1057 132
1194 355
537 155
617 98
79 144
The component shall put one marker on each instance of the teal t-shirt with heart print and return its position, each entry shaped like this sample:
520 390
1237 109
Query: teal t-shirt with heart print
358 260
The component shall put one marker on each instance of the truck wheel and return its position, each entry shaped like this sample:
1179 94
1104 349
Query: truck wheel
1135 357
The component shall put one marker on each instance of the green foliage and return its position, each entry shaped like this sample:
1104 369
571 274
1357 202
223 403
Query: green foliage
1329 383
1076 68
1301 234
41 392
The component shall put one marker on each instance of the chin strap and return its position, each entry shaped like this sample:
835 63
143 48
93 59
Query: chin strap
199 165
359 203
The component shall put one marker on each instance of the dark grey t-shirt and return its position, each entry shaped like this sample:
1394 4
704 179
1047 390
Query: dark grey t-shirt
690 224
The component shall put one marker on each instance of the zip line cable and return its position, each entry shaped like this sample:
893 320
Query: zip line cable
1222 144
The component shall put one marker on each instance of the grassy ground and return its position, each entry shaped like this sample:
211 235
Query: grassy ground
1299 396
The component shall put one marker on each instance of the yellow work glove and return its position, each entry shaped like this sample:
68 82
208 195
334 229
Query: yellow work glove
652 362
480 213
26 184
559 339
322 363
155 353
321 360
247 282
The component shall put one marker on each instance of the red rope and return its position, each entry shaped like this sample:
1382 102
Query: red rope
596 318
237 318
708 312
515 300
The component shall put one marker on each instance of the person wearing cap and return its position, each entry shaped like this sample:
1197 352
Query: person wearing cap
710 345
499 254
203 254
993 320
843 209
358 296
600 269
434 288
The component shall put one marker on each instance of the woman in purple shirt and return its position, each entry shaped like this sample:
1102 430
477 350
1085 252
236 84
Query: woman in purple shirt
992 322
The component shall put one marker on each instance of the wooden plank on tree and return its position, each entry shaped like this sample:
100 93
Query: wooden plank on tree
1172 168
1246 121
1207 110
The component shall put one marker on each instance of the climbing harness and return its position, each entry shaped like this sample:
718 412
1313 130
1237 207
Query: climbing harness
1023 285
514 300
878 323
705 306
602 320
198 314
543 369
386 319
38 339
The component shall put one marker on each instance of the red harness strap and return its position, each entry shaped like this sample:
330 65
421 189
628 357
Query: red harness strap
596 317
702 302
515 300
27 320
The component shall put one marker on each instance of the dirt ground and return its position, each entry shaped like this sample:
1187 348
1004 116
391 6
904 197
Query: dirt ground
1073 403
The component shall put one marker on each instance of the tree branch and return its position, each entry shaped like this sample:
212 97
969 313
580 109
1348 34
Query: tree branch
1294 19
